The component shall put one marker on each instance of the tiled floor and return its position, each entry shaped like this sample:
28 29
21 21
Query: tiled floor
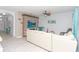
11 44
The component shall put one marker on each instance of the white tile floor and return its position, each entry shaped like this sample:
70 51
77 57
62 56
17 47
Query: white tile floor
11 44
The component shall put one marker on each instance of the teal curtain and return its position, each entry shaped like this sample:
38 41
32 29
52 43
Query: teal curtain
75 22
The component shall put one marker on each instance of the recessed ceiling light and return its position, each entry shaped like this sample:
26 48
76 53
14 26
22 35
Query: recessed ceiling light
4 13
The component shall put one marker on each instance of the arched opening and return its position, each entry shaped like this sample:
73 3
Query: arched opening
6 23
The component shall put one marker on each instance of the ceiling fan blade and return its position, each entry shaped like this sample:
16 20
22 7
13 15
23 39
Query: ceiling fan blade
47 13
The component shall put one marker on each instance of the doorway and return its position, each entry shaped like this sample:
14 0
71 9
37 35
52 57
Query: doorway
6 23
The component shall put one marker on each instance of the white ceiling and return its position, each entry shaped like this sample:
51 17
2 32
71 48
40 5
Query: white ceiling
37 10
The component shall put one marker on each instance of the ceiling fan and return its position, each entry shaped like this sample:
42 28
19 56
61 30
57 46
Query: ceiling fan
46 13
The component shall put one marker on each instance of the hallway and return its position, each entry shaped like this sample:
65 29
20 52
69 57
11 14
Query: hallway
11 44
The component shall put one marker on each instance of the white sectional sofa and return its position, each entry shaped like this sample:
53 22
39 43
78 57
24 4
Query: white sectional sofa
1 49
52 42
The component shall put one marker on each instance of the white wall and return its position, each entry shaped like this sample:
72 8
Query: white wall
63 22
18 25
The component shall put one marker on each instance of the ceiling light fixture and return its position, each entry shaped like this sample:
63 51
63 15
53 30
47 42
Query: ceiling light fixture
46 13
4 13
